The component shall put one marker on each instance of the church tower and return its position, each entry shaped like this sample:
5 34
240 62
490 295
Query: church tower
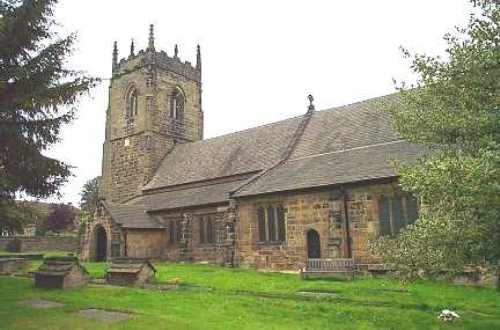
154 103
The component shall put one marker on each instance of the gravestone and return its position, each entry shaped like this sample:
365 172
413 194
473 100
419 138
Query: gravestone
12 265
61 273
130 272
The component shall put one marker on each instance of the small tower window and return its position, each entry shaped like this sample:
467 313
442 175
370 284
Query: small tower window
132 103
177 104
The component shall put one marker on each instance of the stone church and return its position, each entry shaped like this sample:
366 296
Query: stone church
320 185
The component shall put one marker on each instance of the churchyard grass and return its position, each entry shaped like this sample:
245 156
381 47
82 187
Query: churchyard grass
212 297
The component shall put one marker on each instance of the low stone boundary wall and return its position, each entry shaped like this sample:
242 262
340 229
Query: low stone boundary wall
44 243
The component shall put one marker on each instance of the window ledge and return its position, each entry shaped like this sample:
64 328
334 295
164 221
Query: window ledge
271 243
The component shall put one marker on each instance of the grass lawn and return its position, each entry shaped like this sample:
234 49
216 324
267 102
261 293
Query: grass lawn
212 297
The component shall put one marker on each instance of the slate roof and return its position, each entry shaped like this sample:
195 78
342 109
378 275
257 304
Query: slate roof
241 152
345 144
349 126
132 216
338 167
195 196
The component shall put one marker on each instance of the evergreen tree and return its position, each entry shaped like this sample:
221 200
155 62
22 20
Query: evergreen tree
454 110
37 96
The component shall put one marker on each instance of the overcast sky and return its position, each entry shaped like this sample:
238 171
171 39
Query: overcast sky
260 58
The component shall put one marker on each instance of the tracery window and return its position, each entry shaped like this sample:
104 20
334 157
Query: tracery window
177 104
132 103
207 230
175 231
395 213
271 224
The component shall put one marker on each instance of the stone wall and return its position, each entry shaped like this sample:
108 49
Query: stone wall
49 243
322 211
146 243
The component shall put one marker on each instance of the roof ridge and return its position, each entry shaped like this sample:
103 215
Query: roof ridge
243 130
358 102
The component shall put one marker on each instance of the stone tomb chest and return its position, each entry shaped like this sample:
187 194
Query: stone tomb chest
12 265
130 272
61 273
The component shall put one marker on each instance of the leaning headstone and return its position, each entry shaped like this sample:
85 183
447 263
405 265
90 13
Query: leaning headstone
130 272
61 273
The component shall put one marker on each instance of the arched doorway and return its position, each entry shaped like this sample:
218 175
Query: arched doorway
101 244
313 244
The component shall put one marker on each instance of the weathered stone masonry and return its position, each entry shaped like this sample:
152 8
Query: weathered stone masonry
317 185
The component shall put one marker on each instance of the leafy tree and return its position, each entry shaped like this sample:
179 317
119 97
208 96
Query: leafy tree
88 203
90 196
61 218
454 110
37 96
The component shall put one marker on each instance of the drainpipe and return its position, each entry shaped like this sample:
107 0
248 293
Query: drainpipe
346 217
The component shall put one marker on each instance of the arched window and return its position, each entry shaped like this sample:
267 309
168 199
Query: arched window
177 104
132 103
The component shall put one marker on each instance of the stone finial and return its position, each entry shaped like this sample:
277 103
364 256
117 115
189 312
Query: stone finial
151 43
176 51
311 105
132 48
198 58
115 56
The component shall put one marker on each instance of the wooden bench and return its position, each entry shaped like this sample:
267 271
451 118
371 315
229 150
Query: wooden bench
332 268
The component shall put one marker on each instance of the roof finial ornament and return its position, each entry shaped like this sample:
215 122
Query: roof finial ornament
311 105
151 43
176 51
132 48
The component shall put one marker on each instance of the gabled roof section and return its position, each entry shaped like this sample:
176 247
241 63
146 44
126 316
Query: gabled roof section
246 151
349 126
346 144
337 167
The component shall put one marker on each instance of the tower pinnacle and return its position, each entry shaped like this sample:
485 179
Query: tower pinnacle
198 58
115 56
151 43
132 48
176 51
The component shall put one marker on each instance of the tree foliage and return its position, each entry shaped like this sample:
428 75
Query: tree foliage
37 96
454 110
61 218
89 196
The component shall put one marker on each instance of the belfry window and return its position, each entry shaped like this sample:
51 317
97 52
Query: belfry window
177 104
271 224
132 103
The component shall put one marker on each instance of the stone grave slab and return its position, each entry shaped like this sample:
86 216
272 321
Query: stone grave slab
103 315
41 304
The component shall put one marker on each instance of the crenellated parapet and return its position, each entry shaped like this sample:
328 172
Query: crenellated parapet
150 58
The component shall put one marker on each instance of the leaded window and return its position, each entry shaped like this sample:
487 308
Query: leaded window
175 231
271 224
395 213
207 230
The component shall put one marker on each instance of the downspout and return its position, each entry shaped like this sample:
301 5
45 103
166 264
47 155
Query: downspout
347 231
